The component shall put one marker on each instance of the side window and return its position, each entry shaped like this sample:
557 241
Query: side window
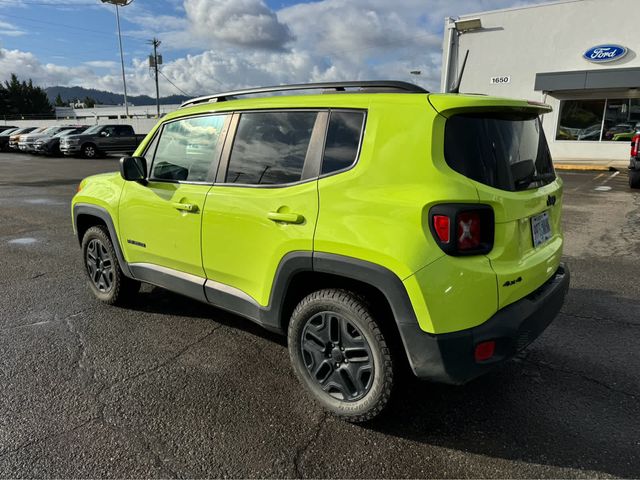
123 131
270 147
343 140
108 131
187 148
151 148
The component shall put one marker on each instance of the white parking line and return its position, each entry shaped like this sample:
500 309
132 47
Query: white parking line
603 187
612 176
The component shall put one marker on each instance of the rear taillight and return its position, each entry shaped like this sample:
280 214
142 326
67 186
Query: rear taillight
442 226
635 145
462 229
469 230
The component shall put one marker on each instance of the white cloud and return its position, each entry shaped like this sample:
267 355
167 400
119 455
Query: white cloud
101 64
26 65
10 30
247 23
243 43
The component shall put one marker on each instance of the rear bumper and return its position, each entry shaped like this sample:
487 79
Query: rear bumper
449 357
634 163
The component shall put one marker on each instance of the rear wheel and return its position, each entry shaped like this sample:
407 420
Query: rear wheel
106 279
89 151
340 355
634 178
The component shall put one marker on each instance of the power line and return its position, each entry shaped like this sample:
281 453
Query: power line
56 24
177 87
10 3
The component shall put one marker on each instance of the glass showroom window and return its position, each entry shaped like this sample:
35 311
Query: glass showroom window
599 120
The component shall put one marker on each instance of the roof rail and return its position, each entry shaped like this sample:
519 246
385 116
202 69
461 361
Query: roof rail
383 85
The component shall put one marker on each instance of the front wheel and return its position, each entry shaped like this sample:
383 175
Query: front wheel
634 178
340 355
106 279
89 151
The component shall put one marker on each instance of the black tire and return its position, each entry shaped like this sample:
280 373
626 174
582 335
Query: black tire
634 178
90 151
329 328
106 280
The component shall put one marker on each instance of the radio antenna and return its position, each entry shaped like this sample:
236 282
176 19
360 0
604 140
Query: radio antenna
456 89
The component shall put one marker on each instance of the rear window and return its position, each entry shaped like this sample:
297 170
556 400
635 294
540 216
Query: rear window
504 150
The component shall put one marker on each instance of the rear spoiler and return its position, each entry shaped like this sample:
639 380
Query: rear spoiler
449 104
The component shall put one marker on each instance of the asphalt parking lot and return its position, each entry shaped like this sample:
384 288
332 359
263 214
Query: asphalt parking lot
174 388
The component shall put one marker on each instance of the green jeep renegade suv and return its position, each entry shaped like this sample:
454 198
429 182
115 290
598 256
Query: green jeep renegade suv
375 223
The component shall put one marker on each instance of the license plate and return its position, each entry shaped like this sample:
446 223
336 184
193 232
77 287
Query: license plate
540 228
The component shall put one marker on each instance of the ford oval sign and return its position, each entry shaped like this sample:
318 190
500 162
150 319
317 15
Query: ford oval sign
605 53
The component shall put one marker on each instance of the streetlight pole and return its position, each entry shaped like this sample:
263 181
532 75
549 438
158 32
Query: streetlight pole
121 3
455 28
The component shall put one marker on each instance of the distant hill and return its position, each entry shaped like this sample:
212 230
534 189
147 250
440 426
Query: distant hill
108 98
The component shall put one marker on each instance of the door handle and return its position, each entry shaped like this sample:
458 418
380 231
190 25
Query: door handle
185 207
285 217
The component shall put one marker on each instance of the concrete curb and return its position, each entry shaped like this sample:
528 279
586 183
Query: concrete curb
586 168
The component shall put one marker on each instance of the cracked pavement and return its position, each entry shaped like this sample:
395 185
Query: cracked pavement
171 388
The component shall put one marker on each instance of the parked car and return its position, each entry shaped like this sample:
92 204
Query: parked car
4 128
4 138
50 145
592 132
27 142
14 139
372 228
634 162
616 129
101 139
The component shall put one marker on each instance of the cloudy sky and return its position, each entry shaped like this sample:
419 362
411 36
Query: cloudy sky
214 45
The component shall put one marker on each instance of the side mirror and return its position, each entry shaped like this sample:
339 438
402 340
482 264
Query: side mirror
134 169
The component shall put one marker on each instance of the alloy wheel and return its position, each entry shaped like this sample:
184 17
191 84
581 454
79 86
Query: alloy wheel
100 265
337 356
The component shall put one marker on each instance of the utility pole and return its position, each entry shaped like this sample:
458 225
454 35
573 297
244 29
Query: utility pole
154 62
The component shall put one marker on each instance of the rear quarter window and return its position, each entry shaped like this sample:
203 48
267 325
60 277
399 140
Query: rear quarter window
343 140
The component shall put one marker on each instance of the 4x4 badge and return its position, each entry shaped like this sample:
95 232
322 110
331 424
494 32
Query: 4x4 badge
508 283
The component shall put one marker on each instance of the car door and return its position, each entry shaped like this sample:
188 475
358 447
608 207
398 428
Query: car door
160 219
125 138
265 201
107 139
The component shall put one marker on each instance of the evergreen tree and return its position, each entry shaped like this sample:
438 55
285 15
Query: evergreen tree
59 102
89 102
23 98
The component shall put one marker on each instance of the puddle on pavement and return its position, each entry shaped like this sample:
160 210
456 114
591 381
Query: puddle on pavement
23 241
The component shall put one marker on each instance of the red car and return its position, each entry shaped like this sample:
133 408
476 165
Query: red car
634 163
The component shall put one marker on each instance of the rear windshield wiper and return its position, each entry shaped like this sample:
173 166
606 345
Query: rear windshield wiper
524 182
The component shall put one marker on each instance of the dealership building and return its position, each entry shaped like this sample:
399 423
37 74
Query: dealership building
579 56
